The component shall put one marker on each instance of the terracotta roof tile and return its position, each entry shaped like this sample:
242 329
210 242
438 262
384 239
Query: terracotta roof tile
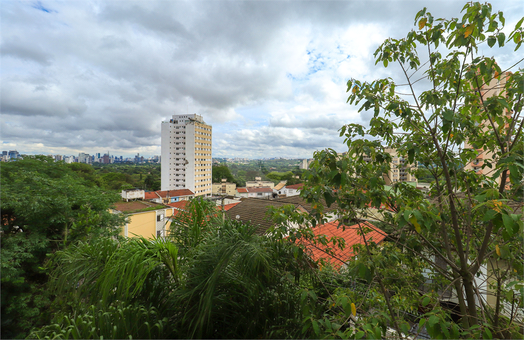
295 186
350 234
260 189
172 193
242 190
179 205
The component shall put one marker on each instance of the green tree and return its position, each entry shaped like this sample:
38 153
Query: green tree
45 206
221 172
213 279
470 222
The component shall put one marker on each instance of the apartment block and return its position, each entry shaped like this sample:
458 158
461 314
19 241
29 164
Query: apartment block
186 154
400 169
494 88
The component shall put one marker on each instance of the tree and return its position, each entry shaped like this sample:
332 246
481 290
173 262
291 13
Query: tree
45 206
221 172
470 224
213 279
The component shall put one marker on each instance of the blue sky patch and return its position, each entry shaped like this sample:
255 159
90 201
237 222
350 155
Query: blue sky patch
38 5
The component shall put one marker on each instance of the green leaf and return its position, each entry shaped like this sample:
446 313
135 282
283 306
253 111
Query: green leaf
425 301
501 37
491 41
509 224
314 323
433 320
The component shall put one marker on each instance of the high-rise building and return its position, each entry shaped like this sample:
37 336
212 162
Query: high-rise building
496 87
186 154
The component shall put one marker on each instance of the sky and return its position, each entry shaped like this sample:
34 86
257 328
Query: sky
269 76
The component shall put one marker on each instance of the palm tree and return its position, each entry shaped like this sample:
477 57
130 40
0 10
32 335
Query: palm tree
213 279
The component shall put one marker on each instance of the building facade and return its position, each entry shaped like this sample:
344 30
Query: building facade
186 154
401 170
496 87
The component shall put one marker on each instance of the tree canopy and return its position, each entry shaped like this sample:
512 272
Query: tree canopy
45 206
452 107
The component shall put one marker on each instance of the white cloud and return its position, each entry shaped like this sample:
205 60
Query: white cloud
269 76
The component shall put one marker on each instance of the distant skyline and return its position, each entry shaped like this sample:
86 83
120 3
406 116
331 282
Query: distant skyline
269 76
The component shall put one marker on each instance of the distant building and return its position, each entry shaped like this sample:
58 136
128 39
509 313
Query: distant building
224 188
186 154
84 158
494 88
13 154
292 190
278 189
133 194
258 182
169 196
304 164
400 170
144 219
255 192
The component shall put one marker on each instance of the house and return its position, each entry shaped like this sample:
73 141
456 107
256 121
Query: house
352 236
278 189
255 211
293 190
169 196
258 182
224 188
133 194
144 219
255 192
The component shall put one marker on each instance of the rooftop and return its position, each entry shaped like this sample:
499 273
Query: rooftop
136 206
352 235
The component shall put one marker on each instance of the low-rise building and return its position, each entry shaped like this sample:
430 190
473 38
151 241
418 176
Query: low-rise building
279 188
292 190
169 196
144 219
258 182
255 192
133 194
224 188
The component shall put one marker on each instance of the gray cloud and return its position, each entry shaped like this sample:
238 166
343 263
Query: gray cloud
270 75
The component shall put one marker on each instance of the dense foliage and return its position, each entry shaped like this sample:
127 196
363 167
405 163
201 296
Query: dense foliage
212 279
467 239
45 206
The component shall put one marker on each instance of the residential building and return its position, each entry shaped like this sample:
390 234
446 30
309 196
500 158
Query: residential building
279 188
400 170
255 192
169 196
254 211
224 188
494 88
258 182
186 154
332 254
304 164
292 190
144 219
84 158
133 194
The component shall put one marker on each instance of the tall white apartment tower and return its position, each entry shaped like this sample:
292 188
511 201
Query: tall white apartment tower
186 154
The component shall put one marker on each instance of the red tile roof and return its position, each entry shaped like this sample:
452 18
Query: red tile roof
242 190
351 235
260 189
229 206
179 205
172 193
295 186
150 195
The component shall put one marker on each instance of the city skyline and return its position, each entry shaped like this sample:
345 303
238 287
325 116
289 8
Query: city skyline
268 76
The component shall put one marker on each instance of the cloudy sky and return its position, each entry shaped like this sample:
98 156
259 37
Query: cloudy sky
269 76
